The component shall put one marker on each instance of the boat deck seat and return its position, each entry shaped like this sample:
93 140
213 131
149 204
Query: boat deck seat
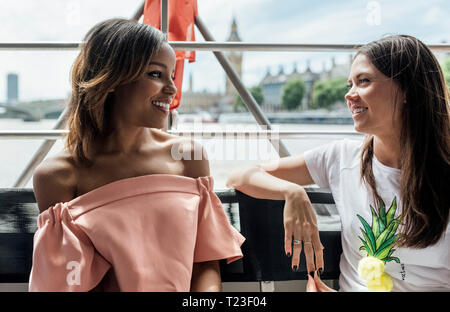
259 220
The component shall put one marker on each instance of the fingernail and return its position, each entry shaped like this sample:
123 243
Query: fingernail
312 274
319 272
294 268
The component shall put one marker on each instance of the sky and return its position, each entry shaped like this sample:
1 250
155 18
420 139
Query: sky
45 74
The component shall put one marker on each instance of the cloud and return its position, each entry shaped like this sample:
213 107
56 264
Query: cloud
43 74
432 15
322 22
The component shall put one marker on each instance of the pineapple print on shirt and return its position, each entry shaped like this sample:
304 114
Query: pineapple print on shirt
379 241
380 238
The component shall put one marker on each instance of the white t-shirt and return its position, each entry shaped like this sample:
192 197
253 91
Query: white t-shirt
337 166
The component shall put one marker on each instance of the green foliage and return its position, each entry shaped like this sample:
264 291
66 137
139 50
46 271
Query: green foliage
292 95
446 70
257 94
326 93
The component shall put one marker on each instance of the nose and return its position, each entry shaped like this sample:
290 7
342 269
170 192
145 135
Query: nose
351 95
170 87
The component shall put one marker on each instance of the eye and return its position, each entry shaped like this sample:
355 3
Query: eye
154 74
363 80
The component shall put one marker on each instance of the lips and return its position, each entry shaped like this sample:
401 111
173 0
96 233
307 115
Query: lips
357 109
163 104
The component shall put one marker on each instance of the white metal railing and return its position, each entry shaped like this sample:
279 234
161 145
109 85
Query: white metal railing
211 46
206 134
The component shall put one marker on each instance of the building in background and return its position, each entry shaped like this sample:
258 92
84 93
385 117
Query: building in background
192 102
235 58
272 85
442 56
12 89
215 103
337 70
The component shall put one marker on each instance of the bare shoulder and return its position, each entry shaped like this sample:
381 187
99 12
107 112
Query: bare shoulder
189 152
193 156
54 180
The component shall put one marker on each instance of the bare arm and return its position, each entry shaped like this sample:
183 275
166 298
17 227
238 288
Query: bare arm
198 164
53 182
272 180
282 180
206 277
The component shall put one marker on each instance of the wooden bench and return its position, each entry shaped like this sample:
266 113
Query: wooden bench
260 221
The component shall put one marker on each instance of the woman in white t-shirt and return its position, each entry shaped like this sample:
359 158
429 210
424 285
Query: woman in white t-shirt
392 191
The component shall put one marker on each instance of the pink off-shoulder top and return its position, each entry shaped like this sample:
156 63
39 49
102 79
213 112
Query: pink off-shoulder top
136 234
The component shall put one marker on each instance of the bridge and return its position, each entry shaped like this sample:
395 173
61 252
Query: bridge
34 110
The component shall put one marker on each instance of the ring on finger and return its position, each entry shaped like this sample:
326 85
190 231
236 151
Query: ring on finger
297 242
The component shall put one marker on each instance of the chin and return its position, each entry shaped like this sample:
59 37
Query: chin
157 125
365 130
161 126
359 128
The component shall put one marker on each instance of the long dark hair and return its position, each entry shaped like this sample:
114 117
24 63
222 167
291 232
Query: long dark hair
114 52
424 137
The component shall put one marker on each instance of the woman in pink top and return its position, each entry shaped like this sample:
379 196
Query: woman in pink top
120 211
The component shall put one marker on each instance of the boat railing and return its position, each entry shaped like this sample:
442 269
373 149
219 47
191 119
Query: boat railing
204 134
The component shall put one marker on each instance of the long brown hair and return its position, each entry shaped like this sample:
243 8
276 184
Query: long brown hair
424 137
113 52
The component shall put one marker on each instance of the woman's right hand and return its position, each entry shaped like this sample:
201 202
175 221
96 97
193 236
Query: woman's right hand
300 229
315 284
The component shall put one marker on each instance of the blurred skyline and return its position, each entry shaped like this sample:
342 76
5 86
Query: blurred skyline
45 74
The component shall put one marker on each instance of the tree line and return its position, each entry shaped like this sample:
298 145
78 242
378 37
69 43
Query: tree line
325 93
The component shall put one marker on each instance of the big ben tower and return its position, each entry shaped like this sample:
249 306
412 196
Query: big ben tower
235 58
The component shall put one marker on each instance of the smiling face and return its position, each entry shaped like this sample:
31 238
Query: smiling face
145 102
373 99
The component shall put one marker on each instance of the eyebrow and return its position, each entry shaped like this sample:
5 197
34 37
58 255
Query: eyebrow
159 64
